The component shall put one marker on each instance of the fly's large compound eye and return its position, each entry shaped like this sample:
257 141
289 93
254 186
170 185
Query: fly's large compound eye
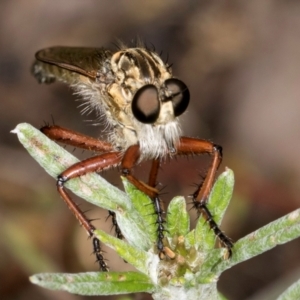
145 104
180 95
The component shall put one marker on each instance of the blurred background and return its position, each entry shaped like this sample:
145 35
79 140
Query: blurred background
241 61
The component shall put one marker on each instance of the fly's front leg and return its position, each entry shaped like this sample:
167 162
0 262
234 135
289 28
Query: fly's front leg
93 164
190 146
79 140
130 158
76 139
154 172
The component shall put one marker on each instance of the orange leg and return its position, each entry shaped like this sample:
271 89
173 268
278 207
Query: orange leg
192 146
154 172
94 164
77 139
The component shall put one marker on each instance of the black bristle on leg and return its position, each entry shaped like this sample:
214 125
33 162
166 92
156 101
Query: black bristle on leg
160 227
222 237
98 252
118 232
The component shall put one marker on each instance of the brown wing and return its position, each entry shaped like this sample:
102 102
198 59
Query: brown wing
66 63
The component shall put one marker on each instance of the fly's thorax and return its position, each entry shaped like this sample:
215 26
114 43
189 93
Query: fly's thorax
134 68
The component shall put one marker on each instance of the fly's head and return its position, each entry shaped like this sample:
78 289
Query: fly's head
132 89
150 100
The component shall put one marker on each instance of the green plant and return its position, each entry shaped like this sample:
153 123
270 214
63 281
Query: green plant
194 270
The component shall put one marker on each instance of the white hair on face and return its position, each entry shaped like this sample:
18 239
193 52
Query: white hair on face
157 141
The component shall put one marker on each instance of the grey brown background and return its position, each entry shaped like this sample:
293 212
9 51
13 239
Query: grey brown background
241 61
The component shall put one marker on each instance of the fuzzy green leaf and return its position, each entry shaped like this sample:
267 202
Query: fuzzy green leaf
138 258
55 159
143 205
276 233
292 293
95 283
193 271
91 187
178 219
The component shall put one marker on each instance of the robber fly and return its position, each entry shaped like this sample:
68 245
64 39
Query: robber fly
136 94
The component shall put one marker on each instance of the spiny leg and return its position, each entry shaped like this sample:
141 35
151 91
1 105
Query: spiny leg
98 253
93 164
118 232
76 139
157 207
131 157
84 221
80 140
188 146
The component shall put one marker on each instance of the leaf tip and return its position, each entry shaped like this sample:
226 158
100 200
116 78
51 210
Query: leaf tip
294 215
17 129
35 279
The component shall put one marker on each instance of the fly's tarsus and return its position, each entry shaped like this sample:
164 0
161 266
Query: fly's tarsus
99 255
224 240
160 226
118 232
